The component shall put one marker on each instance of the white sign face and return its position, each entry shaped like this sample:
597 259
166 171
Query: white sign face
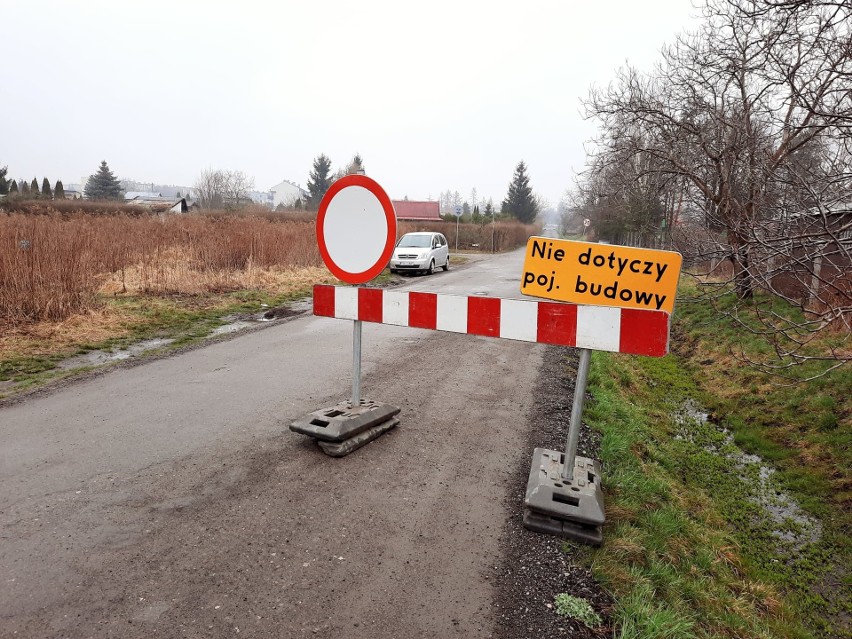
356 229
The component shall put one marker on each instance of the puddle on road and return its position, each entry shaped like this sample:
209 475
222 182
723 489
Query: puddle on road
7 385
233 324
300 306
97 358
790 523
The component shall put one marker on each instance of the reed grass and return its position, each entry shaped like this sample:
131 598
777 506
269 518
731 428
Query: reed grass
54 265
57 261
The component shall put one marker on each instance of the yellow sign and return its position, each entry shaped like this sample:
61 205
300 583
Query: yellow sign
601 274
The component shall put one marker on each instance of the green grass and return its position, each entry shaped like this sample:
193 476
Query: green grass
21 368
185 320
689 550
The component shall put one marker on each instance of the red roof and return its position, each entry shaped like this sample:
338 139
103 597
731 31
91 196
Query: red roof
412 210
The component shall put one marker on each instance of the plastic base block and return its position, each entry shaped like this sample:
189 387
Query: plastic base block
361 439
563 528
579 499
342 422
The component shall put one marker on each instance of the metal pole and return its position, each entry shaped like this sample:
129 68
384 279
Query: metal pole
356 364
457 232
576 414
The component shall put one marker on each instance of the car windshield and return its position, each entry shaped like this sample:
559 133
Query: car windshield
415 241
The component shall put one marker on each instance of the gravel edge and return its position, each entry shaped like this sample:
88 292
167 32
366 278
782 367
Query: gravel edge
536 567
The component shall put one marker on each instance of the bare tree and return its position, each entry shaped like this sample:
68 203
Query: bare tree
237 189
355 166
220 189
748 123
210 188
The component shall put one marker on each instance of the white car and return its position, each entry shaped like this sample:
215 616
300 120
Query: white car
420 252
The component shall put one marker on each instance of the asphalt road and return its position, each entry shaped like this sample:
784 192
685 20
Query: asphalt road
170 498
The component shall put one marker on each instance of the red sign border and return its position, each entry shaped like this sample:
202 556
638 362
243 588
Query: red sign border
390 215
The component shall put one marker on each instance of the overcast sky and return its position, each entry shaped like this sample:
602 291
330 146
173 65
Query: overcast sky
433 95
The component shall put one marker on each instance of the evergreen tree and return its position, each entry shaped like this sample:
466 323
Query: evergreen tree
34 188
13 188
45 189
520 201
320 180
103 185
356 165
25 189
4 185
489 208
59 191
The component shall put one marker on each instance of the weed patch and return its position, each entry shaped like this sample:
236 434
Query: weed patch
577 608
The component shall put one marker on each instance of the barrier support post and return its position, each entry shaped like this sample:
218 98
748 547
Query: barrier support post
576 414
356 364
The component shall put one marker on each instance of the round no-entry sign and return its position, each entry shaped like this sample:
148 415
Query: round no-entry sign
356 229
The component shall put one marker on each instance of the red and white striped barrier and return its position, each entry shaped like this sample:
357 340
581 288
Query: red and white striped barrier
602 328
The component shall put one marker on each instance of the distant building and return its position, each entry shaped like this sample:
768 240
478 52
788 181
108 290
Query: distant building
264 198
180 206
286 193
816 245
132 197
417 211
170 191
73 192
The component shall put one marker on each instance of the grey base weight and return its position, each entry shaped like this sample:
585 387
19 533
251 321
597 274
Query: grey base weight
564 528
354 443
343 421
568 508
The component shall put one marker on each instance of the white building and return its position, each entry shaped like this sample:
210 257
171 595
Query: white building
286 193
264 198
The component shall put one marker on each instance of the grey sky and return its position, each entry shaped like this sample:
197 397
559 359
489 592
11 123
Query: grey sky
434 96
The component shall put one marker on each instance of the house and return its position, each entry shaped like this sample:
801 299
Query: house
264 198
180 206
73 192
286 193
417 211
157 202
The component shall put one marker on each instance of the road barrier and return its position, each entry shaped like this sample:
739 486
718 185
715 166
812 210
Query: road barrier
618 330
608 298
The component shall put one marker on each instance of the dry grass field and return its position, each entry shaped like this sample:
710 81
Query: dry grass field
52 266
72 279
